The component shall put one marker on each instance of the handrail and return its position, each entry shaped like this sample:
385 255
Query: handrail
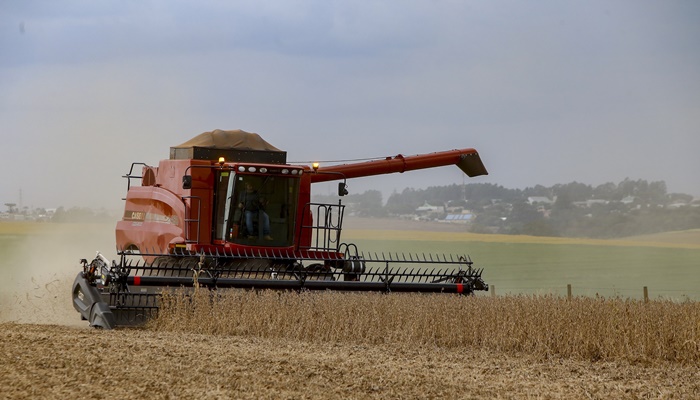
327 228
130 175
196 221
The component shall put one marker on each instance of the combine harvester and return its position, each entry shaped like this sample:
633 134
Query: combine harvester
227 211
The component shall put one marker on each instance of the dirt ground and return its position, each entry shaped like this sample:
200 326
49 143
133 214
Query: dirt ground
49 361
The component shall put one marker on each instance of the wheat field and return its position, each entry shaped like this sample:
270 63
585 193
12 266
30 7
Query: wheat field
584 328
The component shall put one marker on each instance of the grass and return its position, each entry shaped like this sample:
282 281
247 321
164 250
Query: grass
534 265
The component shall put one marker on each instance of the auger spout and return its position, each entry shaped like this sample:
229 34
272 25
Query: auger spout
467 160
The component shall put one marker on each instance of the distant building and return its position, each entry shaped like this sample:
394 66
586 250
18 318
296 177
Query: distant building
428 211
458 218
590 203
427 208
532 200
628 200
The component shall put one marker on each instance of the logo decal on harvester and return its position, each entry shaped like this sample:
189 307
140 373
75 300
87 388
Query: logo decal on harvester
134 215
141 216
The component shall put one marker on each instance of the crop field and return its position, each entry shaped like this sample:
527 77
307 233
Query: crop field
527 342
543 326
537 265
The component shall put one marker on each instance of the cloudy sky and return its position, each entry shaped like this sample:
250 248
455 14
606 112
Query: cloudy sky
547 91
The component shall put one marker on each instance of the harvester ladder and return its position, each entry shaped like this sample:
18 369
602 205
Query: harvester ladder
192 221
325 233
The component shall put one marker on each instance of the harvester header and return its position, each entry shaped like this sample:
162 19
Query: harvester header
226 210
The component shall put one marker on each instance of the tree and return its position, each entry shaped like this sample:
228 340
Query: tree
403 203
522 215
368 204
606 191
574 191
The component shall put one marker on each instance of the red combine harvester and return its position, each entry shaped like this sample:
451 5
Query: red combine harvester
227 211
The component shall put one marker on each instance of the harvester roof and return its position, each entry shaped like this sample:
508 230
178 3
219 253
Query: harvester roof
234 145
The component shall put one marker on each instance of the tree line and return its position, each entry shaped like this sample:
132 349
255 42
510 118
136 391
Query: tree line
630 207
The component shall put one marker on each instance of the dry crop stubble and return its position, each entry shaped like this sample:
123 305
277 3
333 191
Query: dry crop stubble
45 361
595 329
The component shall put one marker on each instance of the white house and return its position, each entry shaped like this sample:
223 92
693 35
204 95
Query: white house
539 200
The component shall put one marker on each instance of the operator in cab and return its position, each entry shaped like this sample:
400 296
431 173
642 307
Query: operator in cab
252 204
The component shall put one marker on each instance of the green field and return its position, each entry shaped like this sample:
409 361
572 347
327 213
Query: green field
606 268
513 264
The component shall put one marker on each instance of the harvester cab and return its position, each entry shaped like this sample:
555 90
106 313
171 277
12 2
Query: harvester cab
227 210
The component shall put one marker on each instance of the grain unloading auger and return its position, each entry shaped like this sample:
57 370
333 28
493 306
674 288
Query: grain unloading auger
227 211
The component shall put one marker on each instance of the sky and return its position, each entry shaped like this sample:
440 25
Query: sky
548 92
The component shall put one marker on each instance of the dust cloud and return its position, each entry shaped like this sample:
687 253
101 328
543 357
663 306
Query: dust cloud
39 269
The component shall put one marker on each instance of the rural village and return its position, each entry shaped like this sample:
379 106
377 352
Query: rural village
631 207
